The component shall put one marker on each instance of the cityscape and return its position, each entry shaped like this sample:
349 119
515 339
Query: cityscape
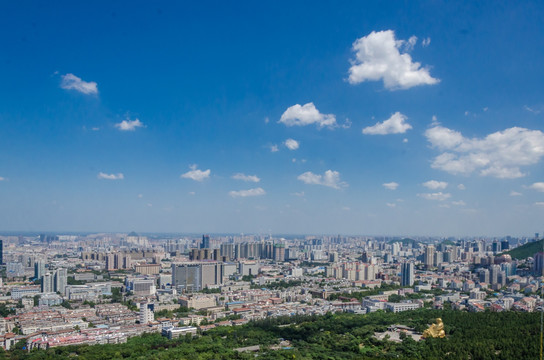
62 290
276 180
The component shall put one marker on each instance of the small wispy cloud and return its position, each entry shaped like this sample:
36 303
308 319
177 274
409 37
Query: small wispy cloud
274 148
246 193
515 193
391 185
196 174
291 144
435 185
329 178
244 177
538 186
104 176
438 196
129 125
307 114
396 124
72 82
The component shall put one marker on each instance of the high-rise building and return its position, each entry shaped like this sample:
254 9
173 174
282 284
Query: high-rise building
429 256
538 264
279 252
407 274
47 283
205 244
1 252
494 271
39 268
146 313
483 276
60 280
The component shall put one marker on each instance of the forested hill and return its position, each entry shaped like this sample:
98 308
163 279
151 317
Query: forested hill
477 336
525 251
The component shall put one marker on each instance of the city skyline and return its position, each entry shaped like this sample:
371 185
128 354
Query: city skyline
337 119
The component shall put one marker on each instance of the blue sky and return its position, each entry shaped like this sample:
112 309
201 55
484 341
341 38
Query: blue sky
420 118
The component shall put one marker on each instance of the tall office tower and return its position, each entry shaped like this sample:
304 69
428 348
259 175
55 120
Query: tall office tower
505 245
47 283
483 276
61 280
39 268
205 244
429 256
494 271
333 257
407 274
1 252
146 313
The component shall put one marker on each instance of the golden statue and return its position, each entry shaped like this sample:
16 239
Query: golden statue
435 330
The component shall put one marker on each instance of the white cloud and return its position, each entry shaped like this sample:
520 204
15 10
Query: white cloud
534 111
346 208
515 193
500 154
192 193
274 148
378 57
243 177
2 178
329 178
538 186
196 174
435 185
307 114
299 194
245 193
394 125
539 203
291 144
391 205
129 125
461 187
405 140
140 196
72 82
438 196
426 42
391 186
458 203
104 176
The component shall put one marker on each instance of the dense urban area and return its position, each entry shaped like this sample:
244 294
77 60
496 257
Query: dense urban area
177 291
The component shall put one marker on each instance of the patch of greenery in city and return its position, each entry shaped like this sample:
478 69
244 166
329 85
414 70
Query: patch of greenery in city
486 335
526 250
